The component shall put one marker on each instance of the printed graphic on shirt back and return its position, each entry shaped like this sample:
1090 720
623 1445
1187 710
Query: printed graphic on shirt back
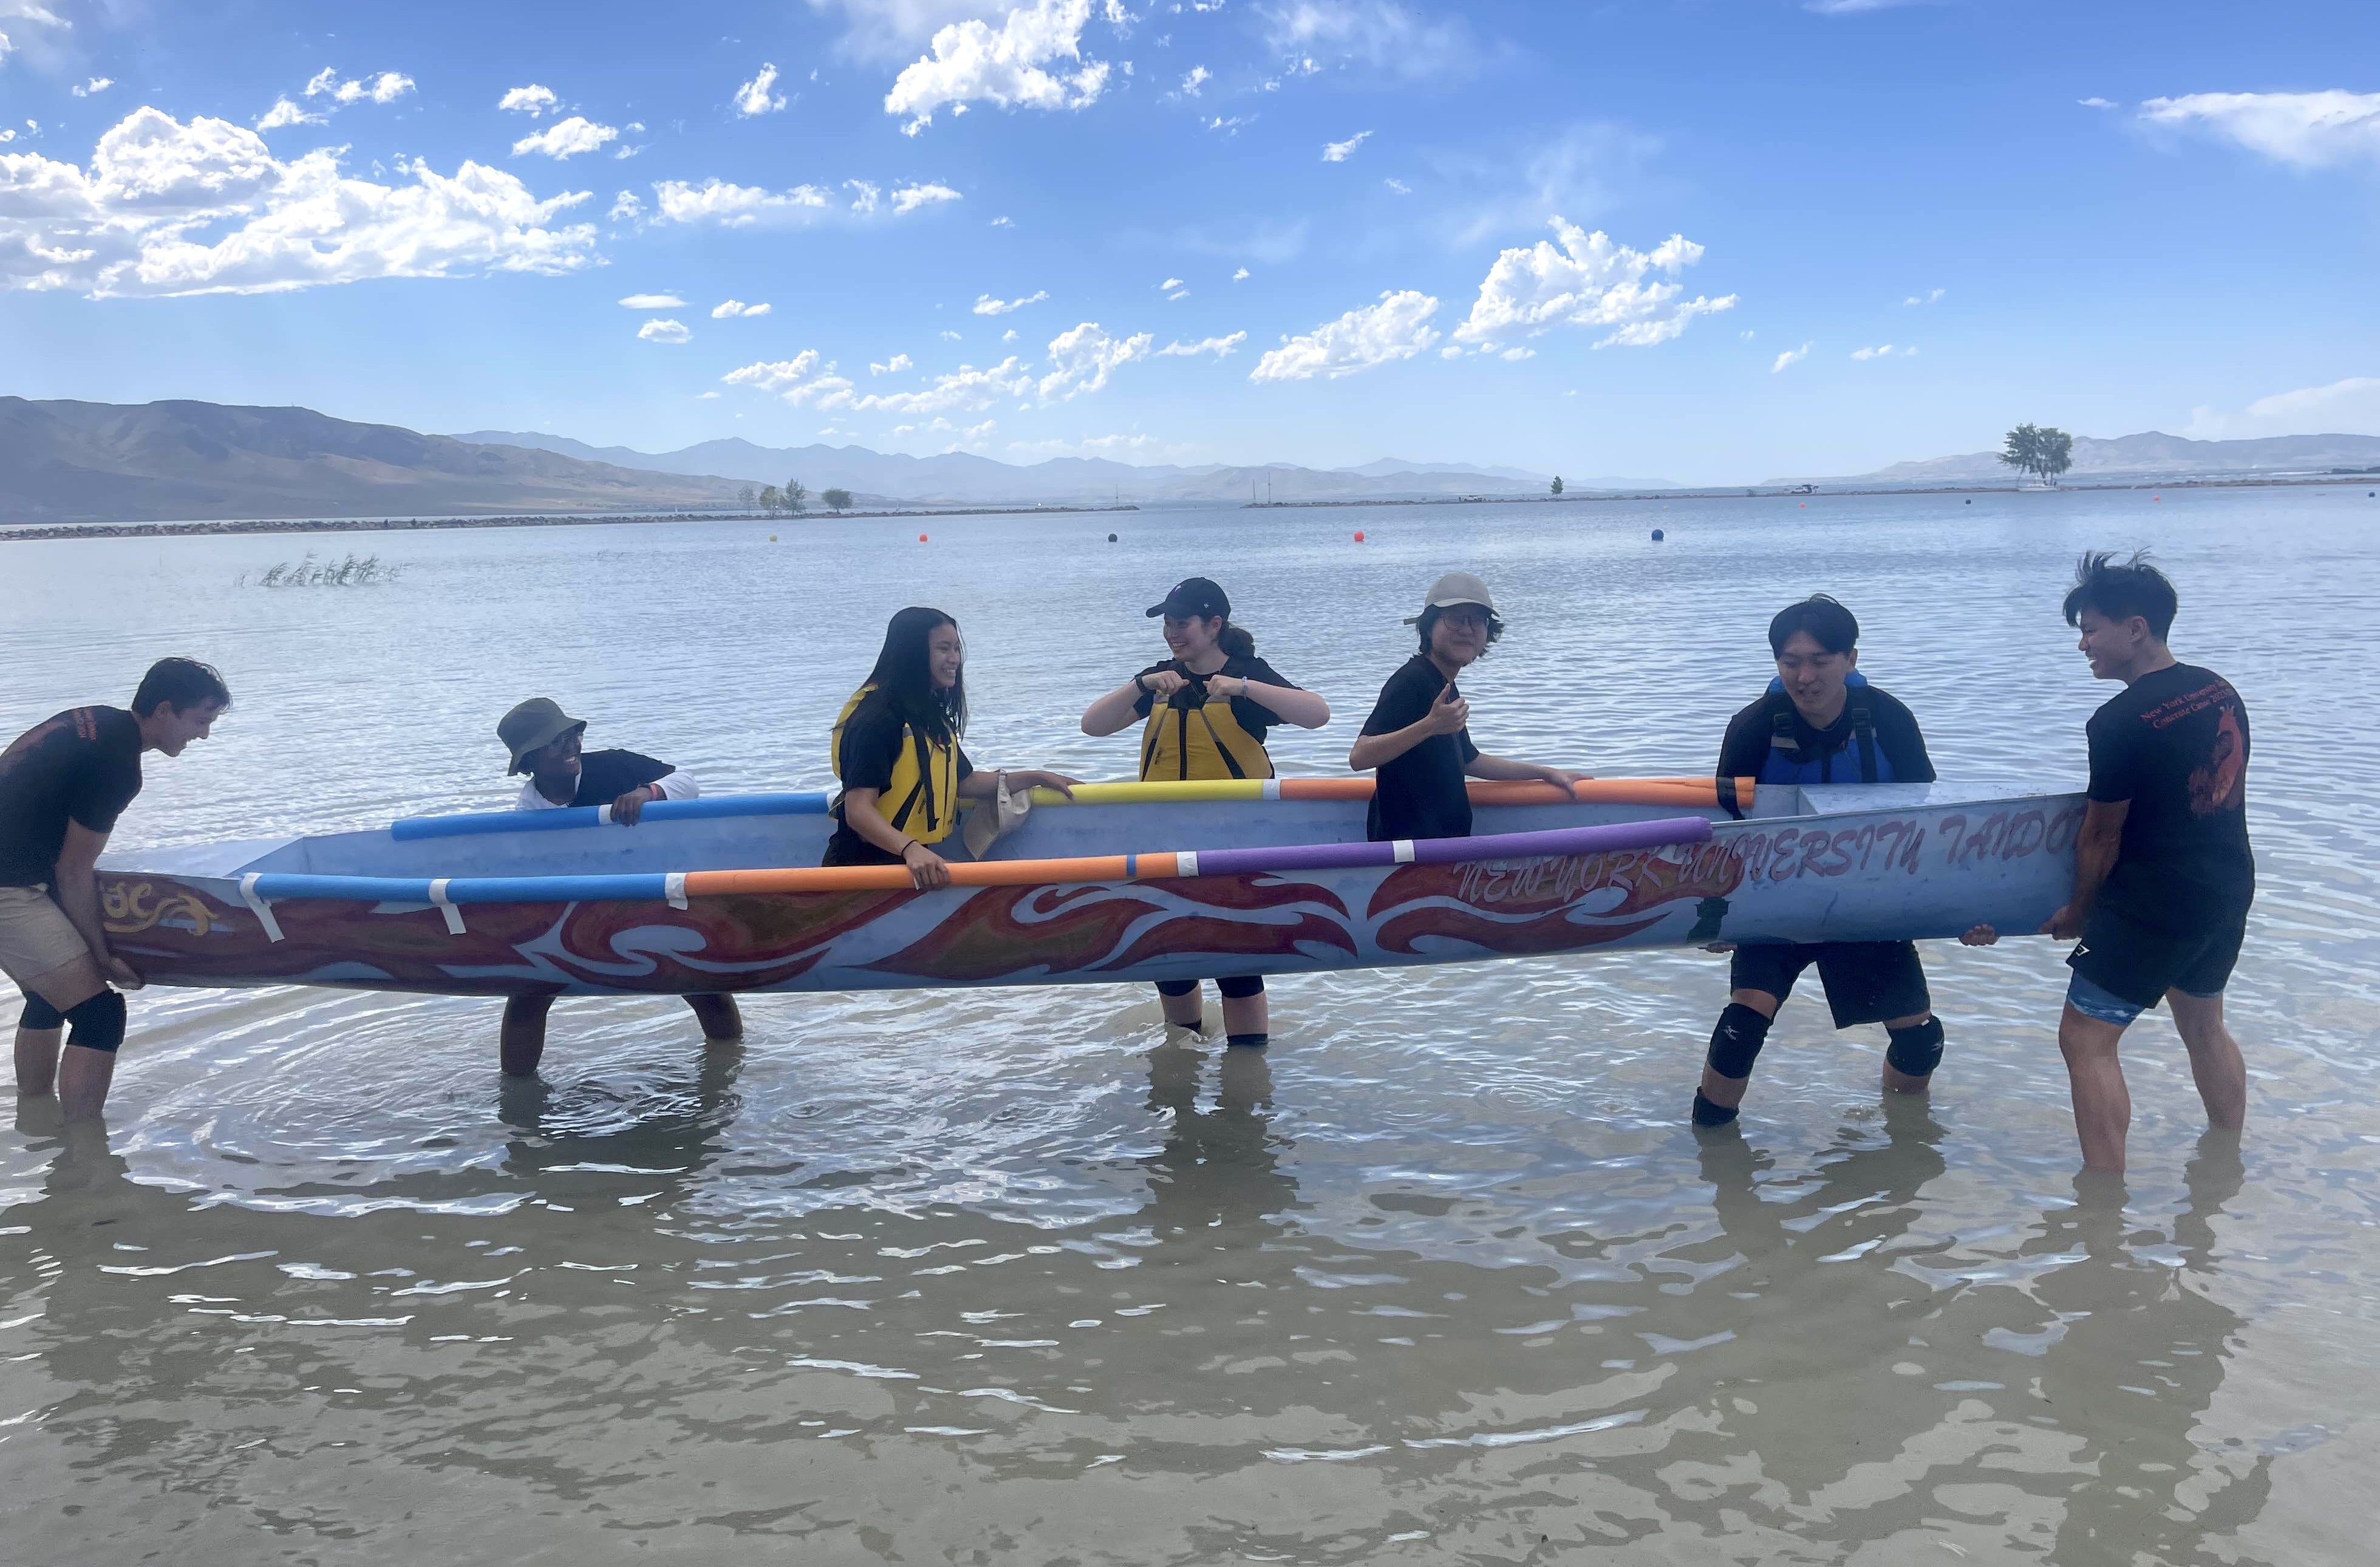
2216 781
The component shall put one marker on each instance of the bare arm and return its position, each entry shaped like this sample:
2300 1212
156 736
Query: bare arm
78 885
984 782
1446 716
2094 856
1484 766
1288 704
1114 710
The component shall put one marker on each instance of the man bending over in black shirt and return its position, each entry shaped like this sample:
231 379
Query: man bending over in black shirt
545 743
2163 875
62 786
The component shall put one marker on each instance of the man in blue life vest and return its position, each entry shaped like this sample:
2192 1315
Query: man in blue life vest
1820 722
546 744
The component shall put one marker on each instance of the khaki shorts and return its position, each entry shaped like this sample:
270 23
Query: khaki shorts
36 937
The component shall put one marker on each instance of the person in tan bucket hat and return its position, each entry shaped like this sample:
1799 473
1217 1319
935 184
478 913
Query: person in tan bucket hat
1419 734
546 743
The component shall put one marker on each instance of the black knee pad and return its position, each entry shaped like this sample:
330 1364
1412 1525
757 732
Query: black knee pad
1241 988
1710 1114
1176 987
98 1023
1917 1051
40 1014
1735 1043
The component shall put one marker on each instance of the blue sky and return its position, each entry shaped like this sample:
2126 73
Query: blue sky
1316 231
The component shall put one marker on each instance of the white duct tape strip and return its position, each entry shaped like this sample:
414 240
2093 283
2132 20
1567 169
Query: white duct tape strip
1404 851
1185 864
1272 788
446 906
673 888
603 816
258 907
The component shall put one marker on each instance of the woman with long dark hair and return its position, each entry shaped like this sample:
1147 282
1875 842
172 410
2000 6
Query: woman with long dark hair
1207 709
897 749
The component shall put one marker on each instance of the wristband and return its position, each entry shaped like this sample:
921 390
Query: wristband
1140 684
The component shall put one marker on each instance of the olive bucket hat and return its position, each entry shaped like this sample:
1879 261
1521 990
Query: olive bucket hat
532 727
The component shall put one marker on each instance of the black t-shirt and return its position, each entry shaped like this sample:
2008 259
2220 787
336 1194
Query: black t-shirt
1749 734
2175 744
872 742
1420 794
83 765
604 776
1252 716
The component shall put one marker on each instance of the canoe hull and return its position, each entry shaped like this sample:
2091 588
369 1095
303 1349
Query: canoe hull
1906 873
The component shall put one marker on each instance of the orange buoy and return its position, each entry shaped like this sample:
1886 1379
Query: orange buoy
772 538
921 538
1359 536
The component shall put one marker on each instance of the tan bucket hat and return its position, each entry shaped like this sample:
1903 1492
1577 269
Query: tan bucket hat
1454 587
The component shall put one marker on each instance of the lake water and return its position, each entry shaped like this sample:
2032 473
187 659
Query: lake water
1444 1276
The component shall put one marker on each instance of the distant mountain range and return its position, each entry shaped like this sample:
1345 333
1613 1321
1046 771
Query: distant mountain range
963 479
104 461
68 462
2151 454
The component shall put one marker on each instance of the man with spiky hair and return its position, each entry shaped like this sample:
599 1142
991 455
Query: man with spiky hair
2162 873
63 783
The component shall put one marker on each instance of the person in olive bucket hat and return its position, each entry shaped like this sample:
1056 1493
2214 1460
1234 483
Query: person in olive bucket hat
545 743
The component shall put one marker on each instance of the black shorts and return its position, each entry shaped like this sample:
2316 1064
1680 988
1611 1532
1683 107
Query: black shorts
1867 982
2139 963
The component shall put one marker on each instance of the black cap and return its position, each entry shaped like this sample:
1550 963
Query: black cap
1197 596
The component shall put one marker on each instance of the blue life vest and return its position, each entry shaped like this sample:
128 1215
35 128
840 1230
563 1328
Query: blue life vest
1860 760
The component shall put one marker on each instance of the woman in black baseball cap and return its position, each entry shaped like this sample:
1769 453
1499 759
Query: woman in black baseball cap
1206 710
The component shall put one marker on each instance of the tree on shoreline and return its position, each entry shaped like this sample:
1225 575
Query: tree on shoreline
839 500
794 494
769 499
2042 449
746 499
1557 488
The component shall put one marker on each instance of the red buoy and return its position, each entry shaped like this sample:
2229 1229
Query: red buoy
1359 536
921 538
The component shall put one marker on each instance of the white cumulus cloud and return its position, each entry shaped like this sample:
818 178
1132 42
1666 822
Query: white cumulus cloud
896 363
2308 130
662 330
1218 346
168 207
806 380
385 88
728 308
1082 358
1929 297
735 206
1340 151
759 96
909 198
2096 103
531 100
968 388
1199 76
1588 281
985 305
1883 351
653 302
283 112
2342 408
566 138
1396 328
971 62
1789 357
1239 274
95 86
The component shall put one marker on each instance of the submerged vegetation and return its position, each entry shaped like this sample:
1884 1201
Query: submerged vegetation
354 571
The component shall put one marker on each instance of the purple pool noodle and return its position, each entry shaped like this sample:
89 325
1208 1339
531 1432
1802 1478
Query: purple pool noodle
1560 840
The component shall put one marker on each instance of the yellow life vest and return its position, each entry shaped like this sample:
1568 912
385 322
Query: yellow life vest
923 799
1206 742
